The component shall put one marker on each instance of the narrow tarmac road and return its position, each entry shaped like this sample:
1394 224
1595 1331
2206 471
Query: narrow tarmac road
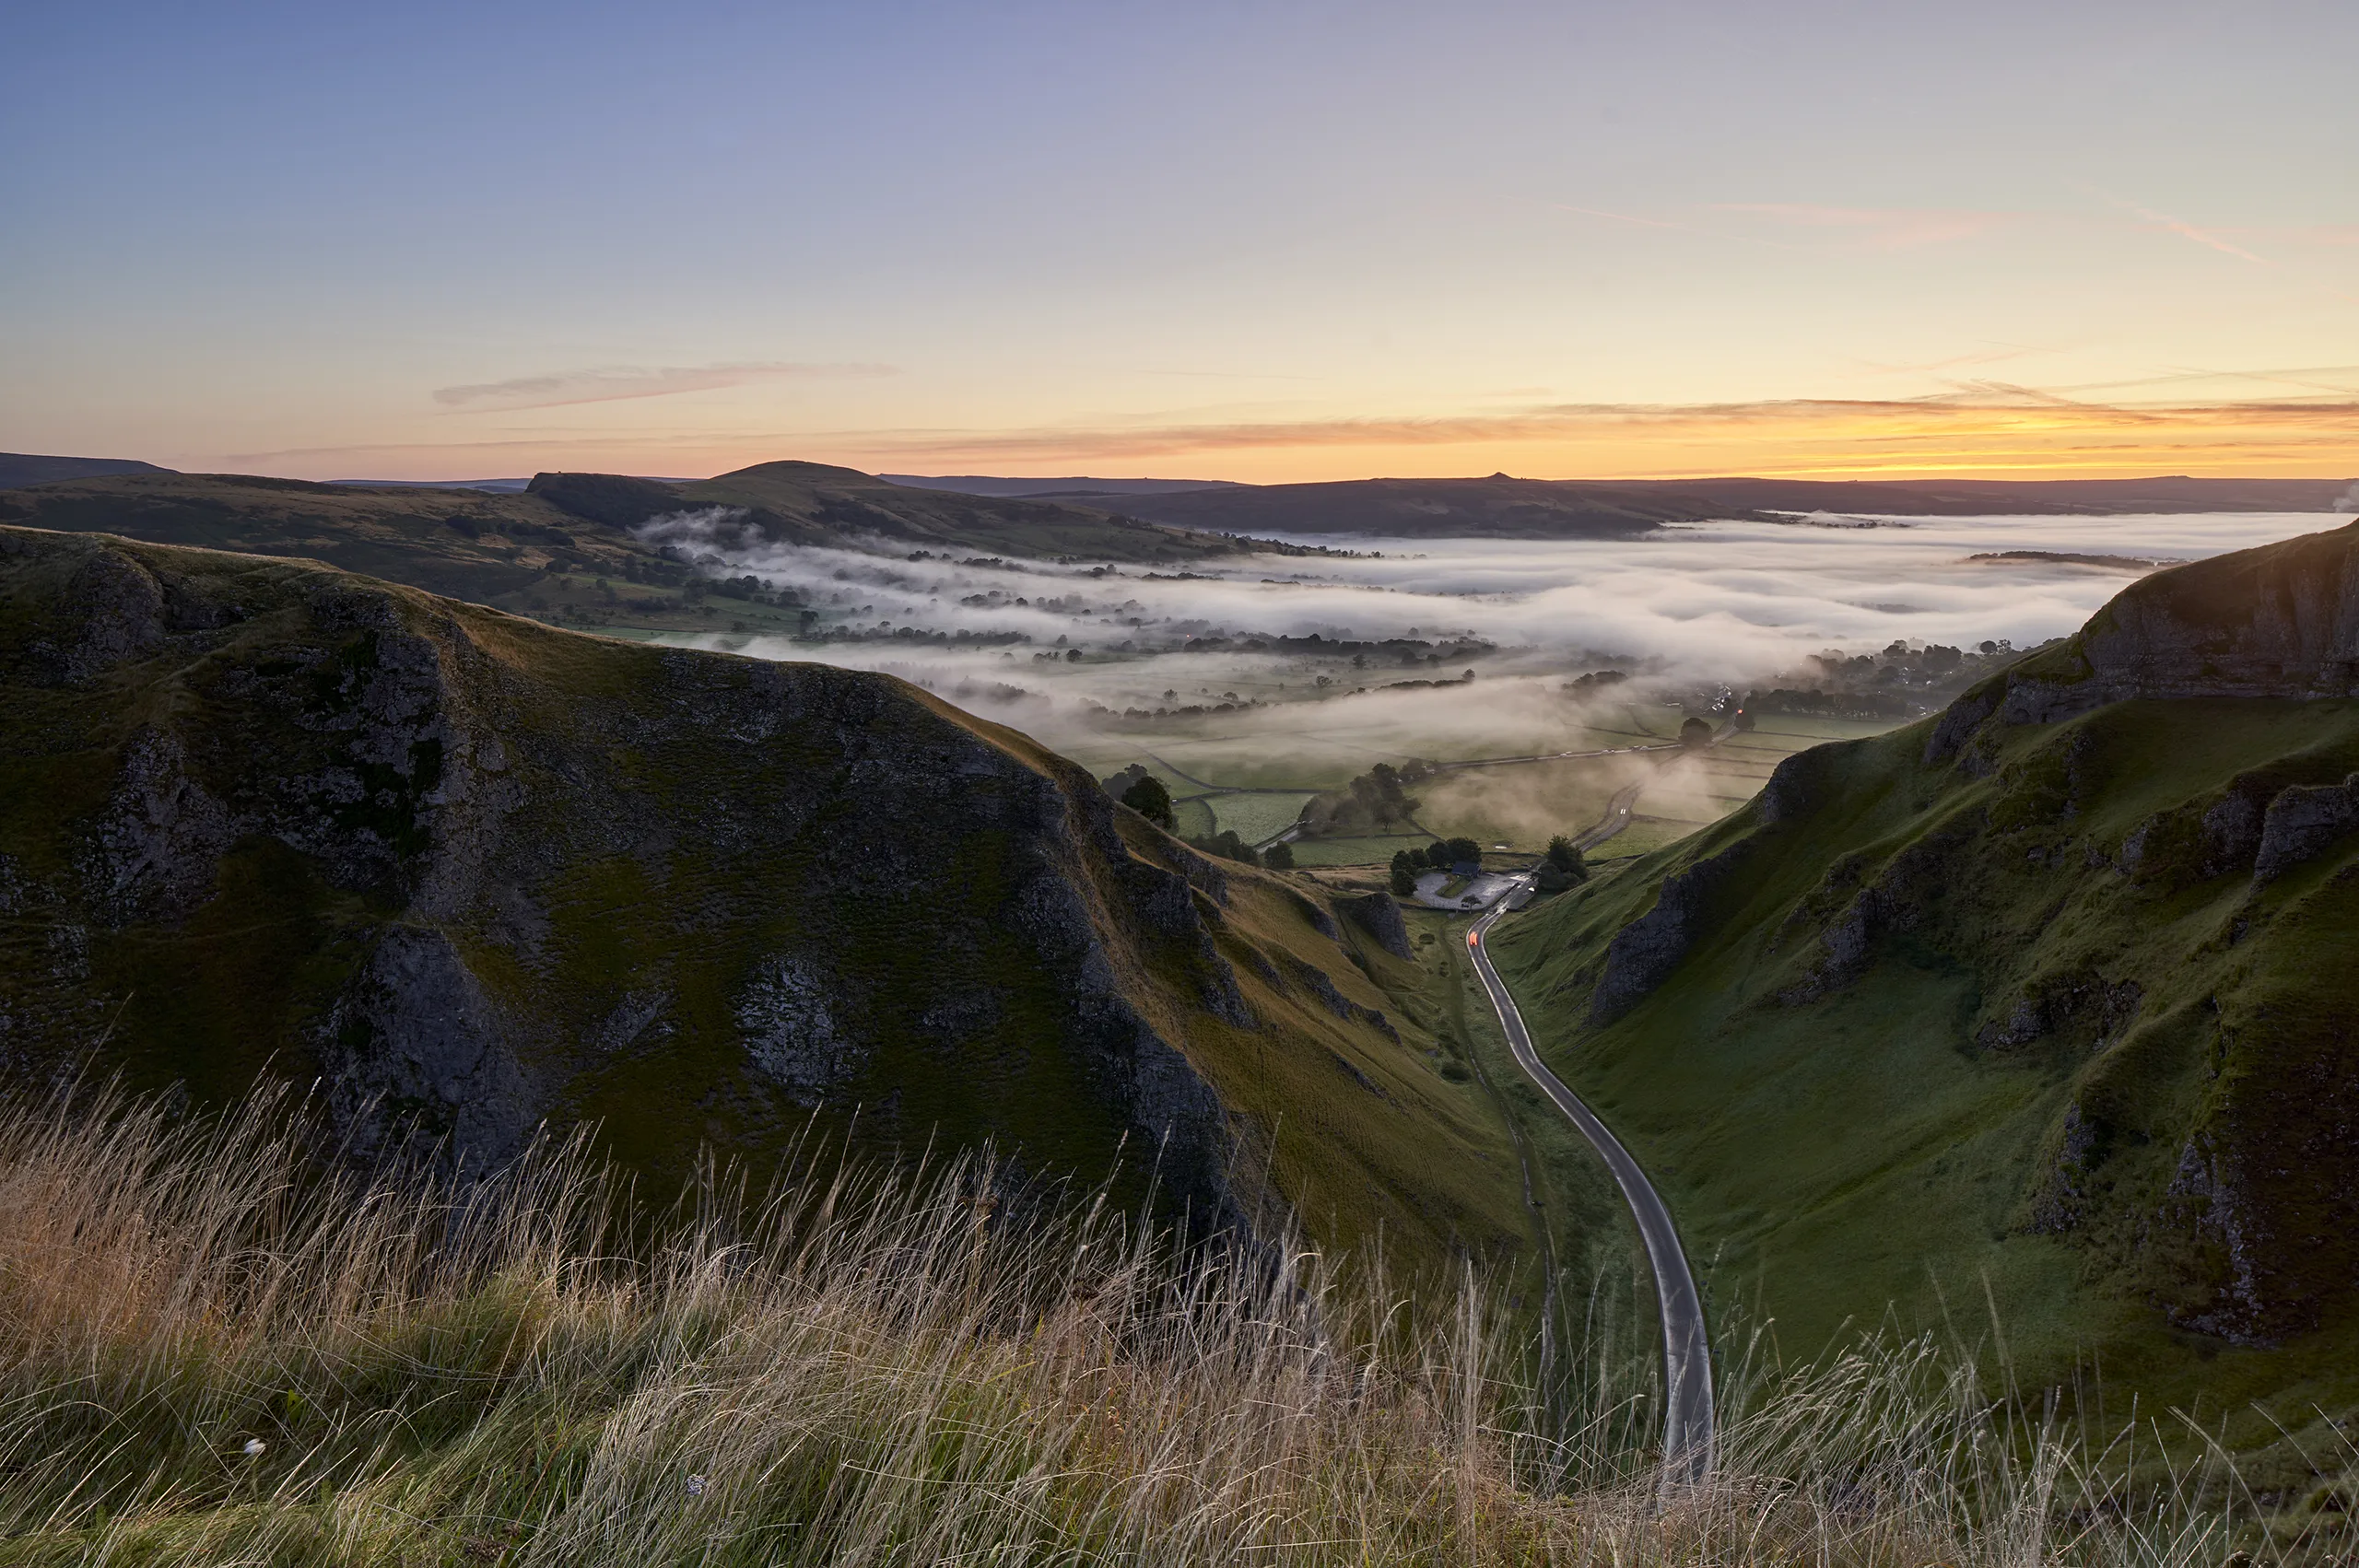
1687 1431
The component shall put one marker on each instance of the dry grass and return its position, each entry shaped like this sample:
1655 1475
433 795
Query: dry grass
875 1367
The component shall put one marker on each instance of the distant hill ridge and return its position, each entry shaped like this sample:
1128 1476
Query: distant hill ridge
566 543
1566 509
21 468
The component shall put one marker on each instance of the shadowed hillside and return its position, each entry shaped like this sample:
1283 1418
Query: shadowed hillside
2051 994
565 547
262 816
1572 509
23 468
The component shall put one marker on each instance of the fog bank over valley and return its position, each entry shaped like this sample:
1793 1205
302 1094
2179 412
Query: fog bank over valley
1292 673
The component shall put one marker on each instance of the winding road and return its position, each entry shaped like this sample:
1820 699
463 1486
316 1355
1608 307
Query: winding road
1687 1429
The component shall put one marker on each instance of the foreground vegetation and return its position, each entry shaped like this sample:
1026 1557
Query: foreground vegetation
211 1352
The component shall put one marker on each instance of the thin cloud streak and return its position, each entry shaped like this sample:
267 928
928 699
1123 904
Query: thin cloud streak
2187 231
1984 409
1883 229
619 383
1985 428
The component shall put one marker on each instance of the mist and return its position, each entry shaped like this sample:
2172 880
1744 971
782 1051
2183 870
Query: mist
1732 602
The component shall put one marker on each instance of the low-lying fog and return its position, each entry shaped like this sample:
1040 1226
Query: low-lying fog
1733 603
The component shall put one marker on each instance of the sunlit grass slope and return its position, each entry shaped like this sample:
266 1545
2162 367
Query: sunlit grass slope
2002 1031
213 1351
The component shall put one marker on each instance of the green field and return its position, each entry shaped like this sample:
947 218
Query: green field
1256 817
1192 818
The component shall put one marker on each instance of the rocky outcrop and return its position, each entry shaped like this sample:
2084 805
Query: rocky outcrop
2279 621
1377 914
476 875
413 1045
2301 823
1644 953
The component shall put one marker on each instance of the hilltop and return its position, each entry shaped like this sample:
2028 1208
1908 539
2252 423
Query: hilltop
566 546
262 817
17 469
2049 995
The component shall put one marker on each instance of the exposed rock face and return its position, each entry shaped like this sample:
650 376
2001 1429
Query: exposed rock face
478 873
1644 953
411 1040
2301 822
1378 915
2280 621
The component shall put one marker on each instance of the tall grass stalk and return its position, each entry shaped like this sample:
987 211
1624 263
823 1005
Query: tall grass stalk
873 1365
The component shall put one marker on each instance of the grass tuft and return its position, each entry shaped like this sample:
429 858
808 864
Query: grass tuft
213 1350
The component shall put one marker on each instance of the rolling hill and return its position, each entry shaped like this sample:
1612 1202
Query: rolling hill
2042 1008
1568 508
1421 509
476 875
565 548
19 469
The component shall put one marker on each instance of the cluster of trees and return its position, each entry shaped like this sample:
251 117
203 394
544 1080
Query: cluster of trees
1376 802
1229 847
1560 868
1408 865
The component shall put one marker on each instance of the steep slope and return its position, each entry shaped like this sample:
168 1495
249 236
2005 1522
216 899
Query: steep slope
2054 994
265 816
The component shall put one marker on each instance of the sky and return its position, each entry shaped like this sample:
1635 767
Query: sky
1269 242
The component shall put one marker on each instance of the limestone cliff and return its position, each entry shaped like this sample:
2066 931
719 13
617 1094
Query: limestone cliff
476 875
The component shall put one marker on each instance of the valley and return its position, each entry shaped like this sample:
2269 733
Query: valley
1915 986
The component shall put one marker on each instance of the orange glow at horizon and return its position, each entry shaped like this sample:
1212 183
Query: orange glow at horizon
2031 438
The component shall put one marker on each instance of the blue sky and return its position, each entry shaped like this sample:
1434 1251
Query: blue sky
1270 241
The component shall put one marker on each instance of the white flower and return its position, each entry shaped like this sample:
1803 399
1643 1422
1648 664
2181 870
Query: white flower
255 1447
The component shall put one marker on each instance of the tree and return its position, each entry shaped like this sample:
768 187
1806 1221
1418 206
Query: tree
1229 846
1695 732
1565 856
1278 857
1406 865
1153 802
1448 852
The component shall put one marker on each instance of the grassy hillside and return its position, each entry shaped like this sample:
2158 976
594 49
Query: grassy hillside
2041 1008
260 817
209 1355
812 503
565 550
516 552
